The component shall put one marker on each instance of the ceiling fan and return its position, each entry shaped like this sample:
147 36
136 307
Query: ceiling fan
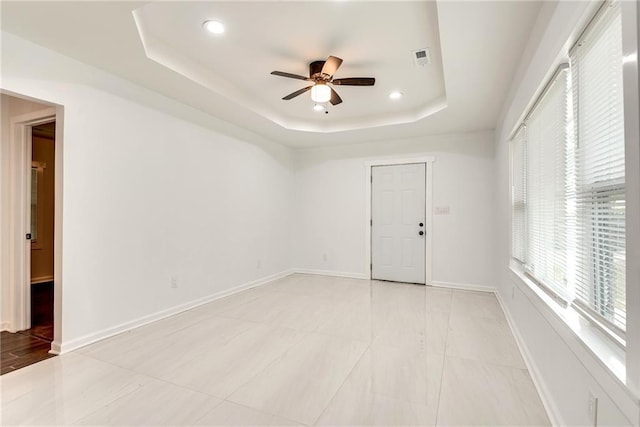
321 74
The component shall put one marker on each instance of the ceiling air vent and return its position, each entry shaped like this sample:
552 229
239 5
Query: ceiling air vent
421 57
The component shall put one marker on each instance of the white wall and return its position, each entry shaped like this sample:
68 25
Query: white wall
148 197
563 368
330 206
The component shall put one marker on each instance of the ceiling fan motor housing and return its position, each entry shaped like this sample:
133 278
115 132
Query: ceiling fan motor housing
315 69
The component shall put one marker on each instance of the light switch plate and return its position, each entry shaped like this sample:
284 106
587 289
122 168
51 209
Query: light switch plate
442 210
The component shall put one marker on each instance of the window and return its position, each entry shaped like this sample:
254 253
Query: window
518 195
546 172
568 179
596 65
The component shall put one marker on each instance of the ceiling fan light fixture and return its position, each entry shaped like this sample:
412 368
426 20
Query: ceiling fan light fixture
320 93
215 27
395 95
321 74
318 107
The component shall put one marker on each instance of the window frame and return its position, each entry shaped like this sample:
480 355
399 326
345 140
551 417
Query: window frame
611 330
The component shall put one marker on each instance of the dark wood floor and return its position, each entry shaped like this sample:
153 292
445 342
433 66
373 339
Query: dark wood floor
24 348
20 350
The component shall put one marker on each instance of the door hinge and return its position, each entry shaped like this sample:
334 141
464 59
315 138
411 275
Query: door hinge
371 267
370 222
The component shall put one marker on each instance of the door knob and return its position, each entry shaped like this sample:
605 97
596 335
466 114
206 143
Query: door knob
421 232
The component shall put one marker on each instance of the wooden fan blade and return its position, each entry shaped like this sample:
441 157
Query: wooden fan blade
292 76
355 81
296 93
335 98
331 65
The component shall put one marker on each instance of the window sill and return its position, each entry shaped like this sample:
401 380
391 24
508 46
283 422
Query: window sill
598 343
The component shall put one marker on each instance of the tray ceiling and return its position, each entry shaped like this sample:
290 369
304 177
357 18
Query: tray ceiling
475 47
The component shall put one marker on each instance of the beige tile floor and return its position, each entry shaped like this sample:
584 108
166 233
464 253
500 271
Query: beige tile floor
302 350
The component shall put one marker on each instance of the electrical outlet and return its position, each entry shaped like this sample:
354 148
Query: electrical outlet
592 408
174 282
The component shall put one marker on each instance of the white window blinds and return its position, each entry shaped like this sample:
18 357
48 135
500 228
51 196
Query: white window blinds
568 179
600 174
518 195
546 133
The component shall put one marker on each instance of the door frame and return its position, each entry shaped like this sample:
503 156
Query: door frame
20 217
428 200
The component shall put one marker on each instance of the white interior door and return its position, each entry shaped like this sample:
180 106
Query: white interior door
398 223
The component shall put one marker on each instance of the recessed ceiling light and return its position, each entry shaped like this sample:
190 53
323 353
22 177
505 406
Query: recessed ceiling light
318 107
214 27
395 95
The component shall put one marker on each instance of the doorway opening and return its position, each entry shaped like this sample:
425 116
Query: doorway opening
42 219
31 222
399 220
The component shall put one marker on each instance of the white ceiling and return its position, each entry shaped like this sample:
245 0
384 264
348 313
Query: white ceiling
475 47
286 36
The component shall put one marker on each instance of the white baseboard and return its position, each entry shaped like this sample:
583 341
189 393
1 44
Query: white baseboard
4 326
451 285
67 346
536 377
463 286
55 347
330 273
